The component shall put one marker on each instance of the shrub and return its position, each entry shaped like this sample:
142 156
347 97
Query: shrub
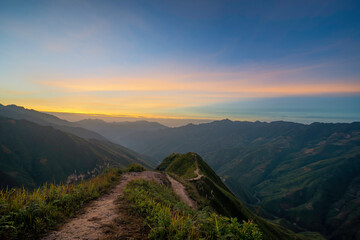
134 167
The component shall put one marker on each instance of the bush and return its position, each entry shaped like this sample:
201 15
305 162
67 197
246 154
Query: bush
134 167
169 218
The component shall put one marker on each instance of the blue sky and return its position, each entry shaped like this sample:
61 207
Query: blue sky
178 59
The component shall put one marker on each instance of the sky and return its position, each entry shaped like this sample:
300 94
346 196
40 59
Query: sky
244 60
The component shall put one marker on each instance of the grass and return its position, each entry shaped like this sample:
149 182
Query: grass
183 165
168 218
28 214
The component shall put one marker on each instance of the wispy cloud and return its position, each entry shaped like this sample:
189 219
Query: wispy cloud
260 82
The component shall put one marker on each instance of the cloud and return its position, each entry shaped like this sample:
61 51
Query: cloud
157 93
226 84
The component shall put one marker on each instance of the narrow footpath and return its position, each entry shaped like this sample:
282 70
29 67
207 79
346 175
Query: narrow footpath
180 190
100 215
197 172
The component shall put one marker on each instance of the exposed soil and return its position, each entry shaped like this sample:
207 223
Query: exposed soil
106 218
180 190
126 225
197 172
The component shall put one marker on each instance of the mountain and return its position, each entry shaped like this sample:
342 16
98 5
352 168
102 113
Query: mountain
306 174
16 112
118 132
31 154
210 189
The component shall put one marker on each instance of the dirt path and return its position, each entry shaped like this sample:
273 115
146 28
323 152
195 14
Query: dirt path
99 214
197 170
180 190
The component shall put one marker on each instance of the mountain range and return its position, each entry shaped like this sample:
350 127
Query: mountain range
306 174
118 132
302 176
44 119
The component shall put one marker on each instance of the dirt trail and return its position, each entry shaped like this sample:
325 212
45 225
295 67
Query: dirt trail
196 172
180 190
99 214
95 220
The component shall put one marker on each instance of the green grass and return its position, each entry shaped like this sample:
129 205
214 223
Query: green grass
168 218
28 214
183 165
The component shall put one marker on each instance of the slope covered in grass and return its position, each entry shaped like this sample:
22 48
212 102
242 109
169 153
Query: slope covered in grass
168 218
213 192
31 154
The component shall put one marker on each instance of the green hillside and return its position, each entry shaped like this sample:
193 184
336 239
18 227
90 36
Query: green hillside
31 154
307 174
213 192
168 218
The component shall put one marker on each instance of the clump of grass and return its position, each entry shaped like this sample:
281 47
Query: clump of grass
134 167
168 218
27 214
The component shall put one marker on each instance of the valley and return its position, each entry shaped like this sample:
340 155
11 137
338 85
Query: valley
293 174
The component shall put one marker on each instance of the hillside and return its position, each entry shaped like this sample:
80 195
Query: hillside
209 190
31 154
304 173
138 205
16 112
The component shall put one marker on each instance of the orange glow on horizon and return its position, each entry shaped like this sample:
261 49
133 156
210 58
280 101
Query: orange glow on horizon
165 95
225 88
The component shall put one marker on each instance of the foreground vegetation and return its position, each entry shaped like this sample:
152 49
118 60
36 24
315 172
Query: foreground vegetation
27 214
168 218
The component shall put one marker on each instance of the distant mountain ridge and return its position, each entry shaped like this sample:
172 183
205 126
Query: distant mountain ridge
31 155
17 112
119 131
